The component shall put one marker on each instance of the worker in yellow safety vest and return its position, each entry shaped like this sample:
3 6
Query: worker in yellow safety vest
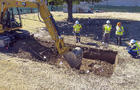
119 33
76 30
106 32
134 48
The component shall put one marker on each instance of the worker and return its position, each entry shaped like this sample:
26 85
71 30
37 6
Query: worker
76 30
134 48
106 35
119 33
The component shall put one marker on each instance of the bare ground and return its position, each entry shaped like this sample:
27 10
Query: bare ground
17 73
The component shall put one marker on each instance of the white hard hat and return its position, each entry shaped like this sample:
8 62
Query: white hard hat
76 22
132 41
108 21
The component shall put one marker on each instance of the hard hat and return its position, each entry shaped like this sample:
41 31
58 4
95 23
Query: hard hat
119 24
108 21
76 22
132 41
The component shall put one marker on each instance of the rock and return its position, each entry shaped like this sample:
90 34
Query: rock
87 71
97 66
60 63
44 57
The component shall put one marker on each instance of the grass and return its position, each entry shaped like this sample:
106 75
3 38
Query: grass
117 8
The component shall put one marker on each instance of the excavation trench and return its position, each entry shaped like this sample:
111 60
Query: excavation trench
96 61
106 60
99 61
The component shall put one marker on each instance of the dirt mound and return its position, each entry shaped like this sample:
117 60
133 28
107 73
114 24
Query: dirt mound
35 49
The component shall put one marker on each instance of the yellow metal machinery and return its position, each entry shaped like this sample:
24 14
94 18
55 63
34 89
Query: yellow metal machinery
45 14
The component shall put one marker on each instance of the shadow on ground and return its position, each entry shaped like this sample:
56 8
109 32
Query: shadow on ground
43 51
31 48
93 28
90 44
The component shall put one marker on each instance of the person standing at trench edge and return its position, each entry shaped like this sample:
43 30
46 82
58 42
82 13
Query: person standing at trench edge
119 33
106 33
76 30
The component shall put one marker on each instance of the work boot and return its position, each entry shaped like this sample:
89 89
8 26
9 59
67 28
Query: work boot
134 57
106 45
103 43
76 41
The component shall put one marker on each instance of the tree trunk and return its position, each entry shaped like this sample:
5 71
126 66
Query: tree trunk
31 10
70 17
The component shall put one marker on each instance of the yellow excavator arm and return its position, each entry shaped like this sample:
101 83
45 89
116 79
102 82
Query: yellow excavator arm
45 14
73 58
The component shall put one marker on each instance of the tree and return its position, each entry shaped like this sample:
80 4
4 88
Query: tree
70 4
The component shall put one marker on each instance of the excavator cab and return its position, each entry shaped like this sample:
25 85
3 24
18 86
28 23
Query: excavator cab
11 20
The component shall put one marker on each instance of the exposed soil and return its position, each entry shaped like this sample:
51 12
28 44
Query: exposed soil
45 51
98 67
35 50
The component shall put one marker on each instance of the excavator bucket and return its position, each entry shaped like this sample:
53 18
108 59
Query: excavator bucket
74 57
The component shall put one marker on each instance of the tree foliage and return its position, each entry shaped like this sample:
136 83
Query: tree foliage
56 2
60 2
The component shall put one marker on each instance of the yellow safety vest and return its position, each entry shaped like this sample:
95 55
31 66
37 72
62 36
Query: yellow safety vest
77 28
119 30
137 48
107 28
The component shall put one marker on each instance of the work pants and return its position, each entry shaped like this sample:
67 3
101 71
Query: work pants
133 53
77 37
106 37
119 39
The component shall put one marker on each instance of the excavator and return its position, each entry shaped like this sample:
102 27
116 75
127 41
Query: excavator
9 25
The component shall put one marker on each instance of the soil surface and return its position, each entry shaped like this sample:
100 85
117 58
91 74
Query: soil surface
45 51
23 69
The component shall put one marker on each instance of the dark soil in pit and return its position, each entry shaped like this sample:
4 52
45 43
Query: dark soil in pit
96 67
37 50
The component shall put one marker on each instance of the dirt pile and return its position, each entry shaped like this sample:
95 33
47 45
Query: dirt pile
38 50
33 49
